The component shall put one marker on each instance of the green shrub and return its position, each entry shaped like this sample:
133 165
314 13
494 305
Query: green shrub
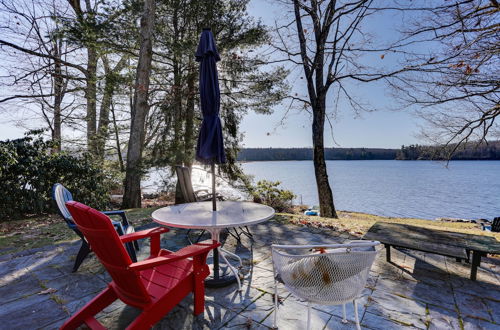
268 193
28 170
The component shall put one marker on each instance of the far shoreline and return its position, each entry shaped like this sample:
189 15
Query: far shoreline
402 160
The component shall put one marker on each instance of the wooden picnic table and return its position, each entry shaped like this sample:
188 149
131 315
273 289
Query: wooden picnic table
446 243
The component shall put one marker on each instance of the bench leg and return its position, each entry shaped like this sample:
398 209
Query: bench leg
387 252
466 260
476 262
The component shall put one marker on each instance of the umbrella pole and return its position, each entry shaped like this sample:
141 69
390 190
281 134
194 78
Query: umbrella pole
214 204
214 208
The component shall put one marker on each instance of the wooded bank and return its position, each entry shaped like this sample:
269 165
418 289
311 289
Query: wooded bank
411 152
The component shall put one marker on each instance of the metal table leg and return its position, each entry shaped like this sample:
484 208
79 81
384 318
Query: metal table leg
233 269
218 280
235 256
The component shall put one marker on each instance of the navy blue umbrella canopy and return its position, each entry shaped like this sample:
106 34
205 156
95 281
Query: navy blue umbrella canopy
210 147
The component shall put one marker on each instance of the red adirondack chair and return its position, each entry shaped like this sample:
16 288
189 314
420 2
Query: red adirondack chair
154 285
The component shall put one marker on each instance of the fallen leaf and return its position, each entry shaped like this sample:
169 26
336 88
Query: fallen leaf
280 299
49 290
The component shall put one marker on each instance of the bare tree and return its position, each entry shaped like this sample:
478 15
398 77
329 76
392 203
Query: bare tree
132 195
448 65
455 83
35 61
330 44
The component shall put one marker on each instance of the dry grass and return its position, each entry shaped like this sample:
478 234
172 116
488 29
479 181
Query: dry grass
24 234
358 223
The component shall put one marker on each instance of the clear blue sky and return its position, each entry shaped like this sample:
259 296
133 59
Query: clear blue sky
384 128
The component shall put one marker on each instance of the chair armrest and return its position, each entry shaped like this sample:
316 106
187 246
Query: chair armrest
186 252
203 194
153 233
121 213
115 212
119 227
208 197
143 234
196 249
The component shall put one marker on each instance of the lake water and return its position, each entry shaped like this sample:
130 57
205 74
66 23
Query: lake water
422 189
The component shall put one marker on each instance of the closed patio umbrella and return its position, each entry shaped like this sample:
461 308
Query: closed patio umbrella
210 147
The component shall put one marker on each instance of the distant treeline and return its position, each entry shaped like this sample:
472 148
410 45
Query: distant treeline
471 151
490 151
263 154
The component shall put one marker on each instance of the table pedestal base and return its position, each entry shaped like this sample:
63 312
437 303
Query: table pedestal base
220 282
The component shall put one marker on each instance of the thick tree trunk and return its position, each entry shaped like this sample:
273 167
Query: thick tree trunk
132 195
117 138
102 131
110 81
91 98
188 142
177 90
189 125
58 97
91 72
325 195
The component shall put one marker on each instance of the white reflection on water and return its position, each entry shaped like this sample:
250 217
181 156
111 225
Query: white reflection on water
159 179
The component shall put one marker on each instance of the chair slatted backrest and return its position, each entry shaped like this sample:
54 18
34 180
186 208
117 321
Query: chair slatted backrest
184 177
61 195
106 244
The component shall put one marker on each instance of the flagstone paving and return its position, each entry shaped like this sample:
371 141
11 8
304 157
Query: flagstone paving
415 291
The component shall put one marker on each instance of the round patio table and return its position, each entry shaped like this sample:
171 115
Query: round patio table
199 215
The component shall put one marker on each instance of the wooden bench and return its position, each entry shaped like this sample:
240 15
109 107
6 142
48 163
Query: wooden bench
446 243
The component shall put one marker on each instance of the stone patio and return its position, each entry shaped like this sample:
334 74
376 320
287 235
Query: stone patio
417 290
